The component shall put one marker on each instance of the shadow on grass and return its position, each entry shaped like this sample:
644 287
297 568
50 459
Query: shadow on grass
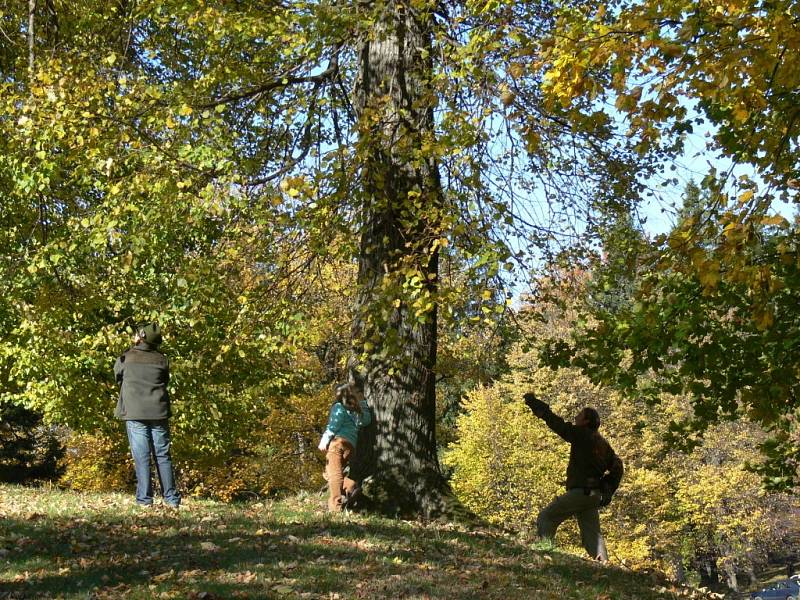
165 555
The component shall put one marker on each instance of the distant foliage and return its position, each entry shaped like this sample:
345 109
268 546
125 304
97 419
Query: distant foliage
680 513
98 463
504 462
291 433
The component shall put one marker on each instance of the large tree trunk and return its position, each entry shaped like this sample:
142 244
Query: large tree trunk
396 317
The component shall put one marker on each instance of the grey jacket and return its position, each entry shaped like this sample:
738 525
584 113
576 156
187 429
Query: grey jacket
143 374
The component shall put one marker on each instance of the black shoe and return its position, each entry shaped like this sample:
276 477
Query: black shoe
351 497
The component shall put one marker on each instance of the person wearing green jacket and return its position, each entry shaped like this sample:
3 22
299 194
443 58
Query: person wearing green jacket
142 373
348 414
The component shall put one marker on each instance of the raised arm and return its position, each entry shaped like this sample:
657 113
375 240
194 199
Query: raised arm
567 431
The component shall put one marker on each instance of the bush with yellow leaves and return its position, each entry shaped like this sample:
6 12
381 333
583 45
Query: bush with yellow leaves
97 462
696 513
279 456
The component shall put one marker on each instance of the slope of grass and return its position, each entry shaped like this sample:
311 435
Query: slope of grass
56 544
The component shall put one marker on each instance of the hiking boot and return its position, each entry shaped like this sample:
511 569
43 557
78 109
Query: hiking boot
351 497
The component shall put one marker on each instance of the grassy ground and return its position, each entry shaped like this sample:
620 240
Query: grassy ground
56 544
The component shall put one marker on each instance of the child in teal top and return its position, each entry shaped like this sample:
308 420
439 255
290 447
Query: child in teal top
348 414
345 422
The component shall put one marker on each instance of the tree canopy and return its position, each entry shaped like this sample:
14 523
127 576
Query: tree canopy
202 163
714 310
194 162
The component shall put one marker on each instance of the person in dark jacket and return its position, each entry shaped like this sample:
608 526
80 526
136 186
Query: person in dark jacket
143 373
593 474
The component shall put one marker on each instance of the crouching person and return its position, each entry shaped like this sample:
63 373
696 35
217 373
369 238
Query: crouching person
348 414
593 475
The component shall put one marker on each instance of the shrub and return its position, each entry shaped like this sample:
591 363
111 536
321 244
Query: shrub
29 449
98 463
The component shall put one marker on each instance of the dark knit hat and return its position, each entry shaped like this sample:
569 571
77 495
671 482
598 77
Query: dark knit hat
150 333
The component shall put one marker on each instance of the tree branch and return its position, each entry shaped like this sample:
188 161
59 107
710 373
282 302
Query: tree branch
31 23
282 81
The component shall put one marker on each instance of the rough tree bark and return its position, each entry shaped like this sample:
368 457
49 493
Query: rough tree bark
402 194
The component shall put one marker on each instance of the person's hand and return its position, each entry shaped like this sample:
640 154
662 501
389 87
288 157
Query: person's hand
537 406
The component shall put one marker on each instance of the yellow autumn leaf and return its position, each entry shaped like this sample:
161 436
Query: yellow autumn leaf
764 318
746 197
777 220
740 114
709 275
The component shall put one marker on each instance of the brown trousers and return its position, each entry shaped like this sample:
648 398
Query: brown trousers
340 451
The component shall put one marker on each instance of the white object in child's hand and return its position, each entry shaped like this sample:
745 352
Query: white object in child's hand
325 440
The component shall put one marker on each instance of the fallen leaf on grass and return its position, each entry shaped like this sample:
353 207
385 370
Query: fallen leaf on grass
246 577
209 546
117 591
164 576
283 590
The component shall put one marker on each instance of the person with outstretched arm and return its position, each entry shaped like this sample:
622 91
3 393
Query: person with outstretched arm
593 475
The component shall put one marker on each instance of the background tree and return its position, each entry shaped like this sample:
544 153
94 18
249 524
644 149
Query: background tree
29 450
723 283
196 162
701 517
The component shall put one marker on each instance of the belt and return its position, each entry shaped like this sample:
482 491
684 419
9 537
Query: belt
587 491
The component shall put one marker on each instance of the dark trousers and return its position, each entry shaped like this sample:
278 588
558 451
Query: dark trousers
584 507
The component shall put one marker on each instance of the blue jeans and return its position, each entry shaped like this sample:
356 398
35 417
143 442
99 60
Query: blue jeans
146 438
